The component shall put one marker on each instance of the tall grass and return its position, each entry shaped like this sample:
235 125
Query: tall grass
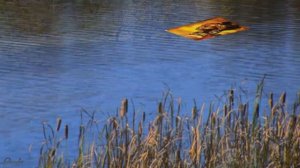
232 136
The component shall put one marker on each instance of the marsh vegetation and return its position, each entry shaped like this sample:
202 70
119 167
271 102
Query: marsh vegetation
230 135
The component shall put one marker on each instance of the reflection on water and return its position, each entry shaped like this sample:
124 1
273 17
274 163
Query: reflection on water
58 57
37 17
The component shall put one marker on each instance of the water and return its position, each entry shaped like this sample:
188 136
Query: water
59 58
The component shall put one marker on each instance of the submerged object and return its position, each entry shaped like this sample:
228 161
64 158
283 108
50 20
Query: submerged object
207 29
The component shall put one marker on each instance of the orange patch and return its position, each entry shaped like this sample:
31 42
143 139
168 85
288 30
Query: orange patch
207 29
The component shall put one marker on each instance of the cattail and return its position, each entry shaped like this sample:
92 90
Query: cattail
291 126
279 126
282 98
225 110
58 124
179 101
240 108
66 131
245 109
81 132
124 108
194 112
178 156
231 96
115 123
274 110
52 153
256 110
144 116
178 119
213 119
160 108
271 100
140 129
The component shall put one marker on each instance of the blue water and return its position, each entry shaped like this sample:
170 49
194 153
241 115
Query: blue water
59 58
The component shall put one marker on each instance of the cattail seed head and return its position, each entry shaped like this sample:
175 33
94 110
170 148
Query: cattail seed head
213 118
52 153
194 112
231 96
271 100
292 122
115 123
256 110
81 132
178 119
178 156
240 108
160 108
274 109
140 129
144 116
58 124
225 110
282 98
124 108
66 131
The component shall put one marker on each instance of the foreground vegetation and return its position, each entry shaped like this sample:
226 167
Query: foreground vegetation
234 135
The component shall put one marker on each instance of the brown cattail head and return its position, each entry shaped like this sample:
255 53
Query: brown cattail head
124 108
194 112
213 119
160 108
282 98
144 116
274 110
240 108
256 110
52 153
231 96
178 156
292 122
225 110
58 123
140 129
271 100
178 119
245 107
66 131
81 132
115 123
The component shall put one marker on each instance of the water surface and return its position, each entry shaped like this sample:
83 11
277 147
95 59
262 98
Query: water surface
57 58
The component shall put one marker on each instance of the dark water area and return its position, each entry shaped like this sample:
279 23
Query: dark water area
59 57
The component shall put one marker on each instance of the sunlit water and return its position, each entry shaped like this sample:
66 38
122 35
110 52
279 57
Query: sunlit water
59 58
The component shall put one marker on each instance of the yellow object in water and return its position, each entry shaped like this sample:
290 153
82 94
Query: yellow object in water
207 29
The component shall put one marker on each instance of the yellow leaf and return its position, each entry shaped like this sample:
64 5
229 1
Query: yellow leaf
207 29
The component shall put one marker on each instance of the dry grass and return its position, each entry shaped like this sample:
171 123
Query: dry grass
231 136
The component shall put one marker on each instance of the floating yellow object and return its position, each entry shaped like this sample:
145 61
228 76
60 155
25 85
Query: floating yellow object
208 29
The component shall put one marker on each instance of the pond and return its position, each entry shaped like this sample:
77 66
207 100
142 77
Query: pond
58 58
